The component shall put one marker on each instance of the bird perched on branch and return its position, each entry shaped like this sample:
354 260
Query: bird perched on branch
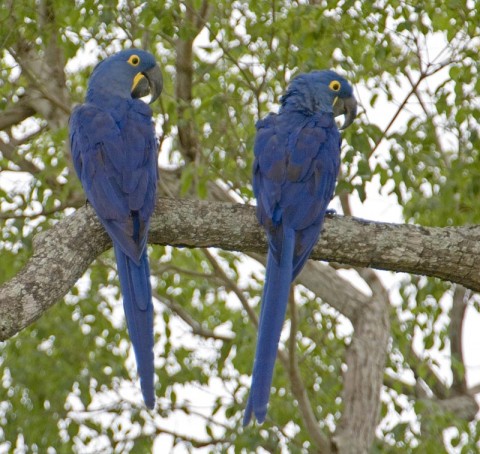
297 159
114 151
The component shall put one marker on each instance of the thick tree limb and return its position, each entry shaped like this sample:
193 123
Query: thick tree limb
363 377
328 285
64 253
187 136
61 256
450 253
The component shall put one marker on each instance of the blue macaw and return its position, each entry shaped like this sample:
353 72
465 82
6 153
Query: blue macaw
297 159
114 151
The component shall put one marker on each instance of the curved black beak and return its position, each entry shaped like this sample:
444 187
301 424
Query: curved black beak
148 83
347 107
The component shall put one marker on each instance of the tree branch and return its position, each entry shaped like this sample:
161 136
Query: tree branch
457 315
66 250
15 114
61 255
231 286
187 135
363 376
196 326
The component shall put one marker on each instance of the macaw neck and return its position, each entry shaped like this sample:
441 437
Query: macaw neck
106 97
103 89
119 107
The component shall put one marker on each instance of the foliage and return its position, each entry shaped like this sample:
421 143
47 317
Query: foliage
66 380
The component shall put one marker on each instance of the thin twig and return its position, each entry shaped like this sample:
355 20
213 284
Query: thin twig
232 286
196 326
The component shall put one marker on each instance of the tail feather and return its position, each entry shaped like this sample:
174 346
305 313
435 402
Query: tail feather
137 303
272 315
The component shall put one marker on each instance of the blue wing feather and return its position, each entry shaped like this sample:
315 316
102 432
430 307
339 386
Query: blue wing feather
297 158
274 306
117 166
138 307
114 153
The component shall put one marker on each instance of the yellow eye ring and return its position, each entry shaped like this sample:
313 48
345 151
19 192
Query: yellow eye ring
134 60
334 85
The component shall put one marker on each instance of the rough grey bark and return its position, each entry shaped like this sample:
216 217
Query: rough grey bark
363 377
66 250
450 253
61 255
187 136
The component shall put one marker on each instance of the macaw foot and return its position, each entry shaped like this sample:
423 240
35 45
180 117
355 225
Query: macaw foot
331 212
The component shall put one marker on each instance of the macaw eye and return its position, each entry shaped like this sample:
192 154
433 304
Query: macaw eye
134 60
334 85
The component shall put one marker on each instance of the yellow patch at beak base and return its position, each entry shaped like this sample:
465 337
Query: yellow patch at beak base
137 79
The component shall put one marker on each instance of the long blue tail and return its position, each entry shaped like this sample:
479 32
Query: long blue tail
272 315
137 303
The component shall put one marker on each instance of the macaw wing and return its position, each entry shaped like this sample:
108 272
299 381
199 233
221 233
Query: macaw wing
296 165
315 187
313 164
118 187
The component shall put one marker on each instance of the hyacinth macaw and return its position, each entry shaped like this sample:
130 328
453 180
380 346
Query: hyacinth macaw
297 159
114 151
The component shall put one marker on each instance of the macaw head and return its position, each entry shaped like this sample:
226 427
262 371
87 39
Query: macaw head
324 91
130 73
